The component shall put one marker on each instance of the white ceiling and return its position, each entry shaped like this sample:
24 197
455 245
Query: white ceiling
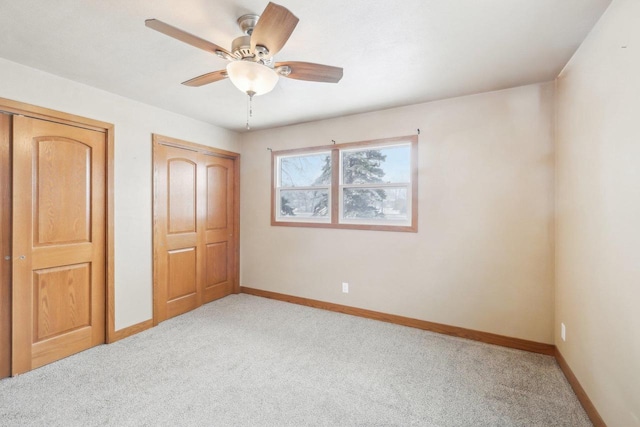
394 52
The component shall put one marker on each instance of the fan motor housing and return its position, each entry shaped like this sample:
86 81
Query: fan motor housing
241 47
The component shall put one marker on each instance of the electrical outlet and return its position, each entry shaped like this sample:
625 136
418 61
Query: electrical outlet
563 332
345 287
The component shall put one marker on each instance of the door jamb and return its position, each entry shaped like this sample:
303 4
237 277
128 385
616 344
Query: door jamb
5 245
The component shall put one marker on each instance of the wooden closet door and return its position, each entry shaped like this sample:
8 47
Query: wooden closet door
218 226
195 222
178 257
58 241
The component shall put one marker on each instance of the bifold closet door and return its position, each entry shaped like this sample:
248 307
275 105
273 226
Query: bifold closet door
178 256
58 246
219 249
194 225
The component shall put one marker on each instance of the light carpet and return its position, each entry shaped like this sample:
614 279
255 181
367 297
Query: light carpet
250 361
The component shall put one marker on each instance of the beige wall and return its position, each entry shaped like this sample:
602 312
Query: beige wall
598 220
134 123
482 258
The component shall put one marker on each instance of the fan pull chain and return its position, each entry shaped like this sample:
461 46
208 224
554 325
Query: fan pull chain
250 108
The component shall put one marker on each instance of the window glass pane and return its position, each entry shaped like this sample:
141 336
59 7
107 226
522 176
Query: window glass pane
305 171
304 203
388 164
375 203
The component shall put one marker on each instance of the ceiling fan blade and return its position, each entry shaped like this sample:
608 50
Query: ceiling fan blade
205 79
312 72
183 36
273 29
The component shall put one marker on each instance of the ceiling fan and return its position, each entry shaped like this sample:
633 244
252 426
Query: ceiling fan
251 65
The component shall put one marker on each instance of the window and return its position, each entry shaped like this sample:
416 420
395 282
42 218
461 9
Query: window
363 185
304 187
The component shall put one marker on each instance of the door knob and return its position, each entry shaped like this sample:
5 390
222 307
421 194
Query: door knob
7 258
21 257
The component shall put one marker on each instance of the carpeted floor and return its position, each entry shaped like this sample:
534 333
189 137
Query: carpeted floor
249 361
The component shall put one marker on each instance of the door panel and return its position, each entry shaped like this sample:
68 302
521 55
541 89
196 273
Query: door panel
219 226
62 299
217 259
194 220
182 273
58 241
176 262
62 191
217 185
181 192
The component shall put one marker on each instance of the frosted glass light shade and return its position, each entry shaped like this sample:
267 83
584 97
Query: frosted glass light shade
252 77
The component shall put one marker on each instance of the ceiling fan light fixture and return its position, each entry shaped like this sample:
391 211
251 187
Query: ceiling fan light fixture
252 77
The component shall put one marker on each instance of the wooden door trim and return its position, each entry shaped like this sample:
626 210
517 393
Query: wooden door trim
5 245
160 140
21 108
192 146
110 335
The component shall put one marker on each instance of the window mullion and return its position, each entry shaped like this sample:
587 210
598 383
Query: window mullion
310 188
334 198
377 185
